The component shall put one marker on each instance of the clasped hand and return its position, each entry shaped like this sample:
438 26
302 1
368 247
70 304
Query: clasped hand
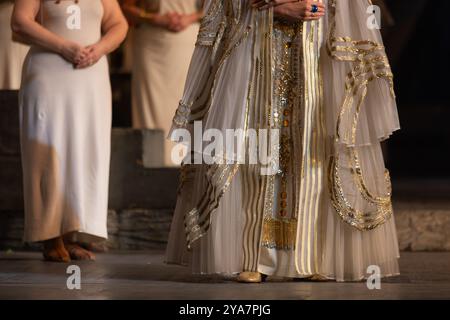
82 57
292 10
175 22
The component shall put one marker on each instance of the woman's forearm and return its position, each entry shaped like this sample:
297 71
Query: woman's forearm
113 37
33 33
134 12
139 15
114 27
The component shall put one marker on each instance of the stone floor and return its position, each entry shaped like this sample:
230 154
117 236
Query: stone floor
142 275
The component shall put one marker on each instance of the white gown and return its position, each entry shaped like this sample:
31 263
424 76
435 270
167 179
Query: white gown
327 86
65 117
12 54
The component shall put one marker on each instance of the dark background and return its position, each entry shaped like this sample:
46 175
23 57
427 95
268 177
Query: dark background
419 48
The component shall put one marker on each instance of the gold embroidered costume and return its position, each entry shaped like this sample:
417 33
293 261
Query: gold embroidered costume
324 90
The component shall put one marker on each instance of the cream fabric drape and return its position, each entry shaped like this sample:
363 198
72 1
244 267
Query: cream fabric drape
160 64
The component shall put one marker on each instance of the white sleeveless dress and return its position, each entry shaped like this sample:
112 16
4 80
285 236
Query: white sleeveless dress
12 54
160 64
65 117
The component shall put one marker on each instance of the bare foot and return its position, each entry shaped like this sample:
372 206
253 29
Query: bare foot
55 251
100 247
78 253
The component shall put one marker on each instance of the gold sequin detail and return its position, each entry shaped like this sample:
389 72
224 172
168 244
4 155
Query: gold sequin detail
369 62
279 228
279 233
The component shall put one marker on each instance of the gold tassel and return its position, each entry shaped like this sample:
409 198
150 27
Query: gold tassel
279 234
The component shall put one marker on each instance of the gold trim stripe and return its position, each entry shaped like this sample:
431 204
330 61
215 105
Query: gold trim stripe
311 186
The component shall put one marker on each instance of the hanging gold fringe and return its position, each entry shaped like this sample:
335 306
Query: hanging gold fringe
279 234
